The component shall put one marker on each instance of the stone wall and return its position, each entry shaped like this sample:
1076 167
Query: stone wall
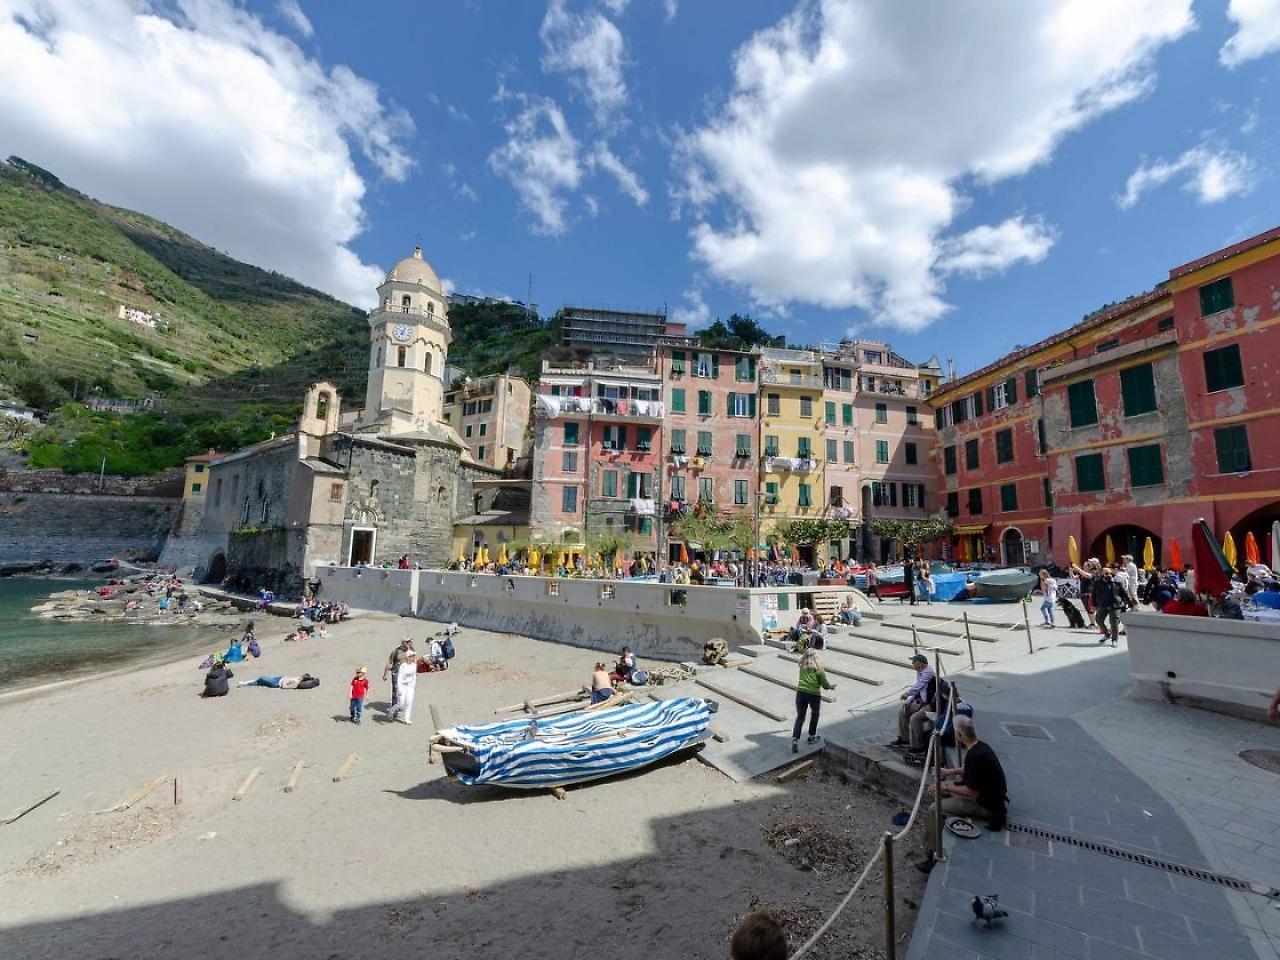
166 484
66 527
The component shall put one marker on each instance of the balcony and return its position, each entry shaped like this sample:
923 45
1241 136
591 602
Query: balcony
784 378
394 310
548 407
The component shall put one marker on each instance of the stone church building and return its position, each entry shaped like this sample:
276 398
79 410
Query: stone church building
364 489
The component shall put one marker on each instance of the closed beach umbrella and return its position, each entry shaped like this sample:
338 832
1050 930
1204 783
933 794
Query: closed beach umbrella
534 559
1148 556
1175 554
1252 556
1073 550
502 553
1110 550
1213 573
1275 545
684 553
1229 549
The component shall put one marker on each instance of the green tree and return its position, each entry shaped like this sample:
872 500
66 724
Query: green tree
911 533
740 333
811 532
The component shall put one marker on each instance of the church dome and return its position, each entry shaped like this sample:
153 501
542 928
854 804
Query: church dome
416 270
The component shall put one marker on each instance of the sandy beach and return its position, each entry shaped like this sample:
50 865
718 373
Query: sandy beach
396 859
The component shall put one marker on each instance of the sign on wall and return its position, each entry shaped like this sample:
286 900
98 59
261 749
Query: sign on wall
769 611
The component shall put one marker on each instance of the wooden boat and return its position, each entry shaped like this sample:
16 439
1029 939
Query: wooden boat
1004 585
532 753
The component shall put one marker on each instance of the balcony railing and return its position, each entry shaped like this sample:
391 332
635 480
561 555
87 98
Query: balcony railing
786 379
395 309
548 407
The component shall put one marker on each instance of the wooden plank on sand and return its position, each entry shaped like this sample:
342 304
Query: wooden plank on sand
248 782
436 725
292 785
739 699
346 767
752 672
792 772
137 797
177 791
19 814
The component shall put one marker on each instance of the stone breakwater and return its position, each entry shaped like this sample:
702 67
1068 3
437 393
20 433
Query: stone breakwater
79 605
85 529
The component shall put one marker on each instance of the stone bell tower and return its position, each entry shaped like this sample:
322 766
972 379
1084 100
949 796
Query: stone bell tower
409 340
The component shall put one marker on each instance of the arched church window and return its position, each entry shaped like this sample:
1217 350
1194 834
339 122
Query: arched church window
402 354
386 302
373 489
379 363
431 307
322 406
427 365
404 303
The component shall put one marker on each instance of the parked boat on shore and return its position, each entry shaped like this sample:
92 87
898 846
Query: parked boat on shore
1004 585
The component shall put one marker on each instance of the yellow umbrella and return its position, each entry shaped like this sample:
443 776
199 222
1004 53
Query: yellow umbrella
534 558
1111 550
1073 550
1148 556
502 552
1229 549
484 554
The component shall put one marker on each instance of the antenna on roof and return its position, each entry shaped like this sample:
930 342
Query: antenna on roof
951 368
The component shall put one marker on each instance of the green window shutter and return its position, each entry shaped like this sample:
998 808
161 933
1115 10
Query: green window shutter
802 448
882 451
805 500
704 443
677 399
910 450
1145 466
991 398
893 493
678 361
704 403
848 451
677 441
1033 384
609 486
1040 435
751 405
715 366
846 414
743 444
882 413
1217 296
1004 446
1009 497
830 410
770 446
1011 391
732 397
1232 444
972 456
1222 368
751 368
1048 491
831 451
622 438
1083 404
1090 476
1138 390
977 403
920 493
949 460
571 434
771 489
633 484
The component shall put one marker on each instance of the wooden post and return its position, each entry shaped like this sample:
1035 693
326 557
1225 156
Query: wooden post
937 756
137 796
969 639
19 814
177 792
890 930
248 782
345 768
1026 622
915 639
435 719
292 785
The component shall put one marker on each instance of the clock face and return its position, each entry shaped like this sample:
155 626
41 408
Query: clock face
403 332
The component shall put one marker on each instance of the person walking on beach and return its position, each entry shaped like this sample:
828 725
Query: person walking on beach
1106 604
393 661
407 685
359 689
813 680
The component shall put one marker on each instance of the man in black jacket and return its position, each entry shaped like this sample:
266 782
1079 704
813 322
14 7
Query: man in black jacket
216 680
1106 605
981 790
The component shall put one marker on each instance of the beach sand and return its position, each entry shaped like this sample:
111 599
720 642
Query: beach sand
396 860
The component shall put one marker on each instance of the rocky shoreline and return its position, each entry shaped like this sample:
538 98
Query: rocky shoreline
71 569
131 602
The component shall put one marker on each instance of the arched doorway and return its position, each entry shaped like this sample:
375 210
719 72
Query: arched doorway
1259 523
1014 548
216 572
1126 538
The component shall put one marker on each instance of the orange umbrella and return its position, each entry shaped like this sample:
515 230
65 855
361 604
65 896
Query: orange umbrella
1252 556
684 554
1175 554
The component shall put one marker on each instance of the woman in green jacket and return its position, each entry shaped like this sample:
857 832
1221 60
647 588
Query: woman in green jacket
809 696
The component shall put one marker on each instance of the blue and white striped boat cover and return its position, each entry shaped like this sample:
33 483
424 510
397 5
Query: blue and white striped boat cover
644 733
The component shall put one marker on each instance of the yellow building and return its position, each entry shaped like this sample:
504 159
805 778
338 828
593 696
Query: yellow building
791 438
196 483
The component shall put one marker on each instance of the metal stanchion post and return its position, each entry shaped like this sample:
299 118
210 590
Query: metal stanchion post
969 639
890 931
1026 622
915 639
937 755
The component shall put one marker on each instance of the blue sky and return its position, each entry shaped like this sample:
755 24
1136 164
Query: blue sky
957 183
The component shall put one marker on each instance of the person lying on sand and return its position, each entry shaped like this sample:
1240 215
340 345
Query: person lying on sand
304 682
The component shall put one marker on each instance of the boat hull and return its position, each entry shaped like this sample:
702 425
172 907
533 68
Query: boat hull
1004 585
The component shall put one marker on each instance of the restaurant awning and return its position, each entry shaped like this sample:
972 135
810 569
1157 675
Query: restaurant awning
964 528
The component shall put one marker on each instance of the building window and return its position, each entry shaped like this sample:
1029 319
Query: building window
335 492
971 458
677 486
480 452
848 451
196 488
1165 323
832 449
771 492
639 486
570 463
704 443
677 442
884 494
1222 369
1033 383
467 431
1083 404
1009 497
806 407
484 428
1004 446
644 438
953 505
402 356
1146 469
830 413
912 417
742 447
571 434
706 489
704 403
846 414
882 451
1232 444
199 468
909 449
677 363
1138 390
882 413
1090 477
569 500
774 402
803 448
998 398
742 405
609 483
266 507
744 369
1216 297
959 411
835 497
1106 345
740 492
770 446
1042 445
806 497
707 365
949 460
677 399
976 401
975 502
615 437
1048 491
909 495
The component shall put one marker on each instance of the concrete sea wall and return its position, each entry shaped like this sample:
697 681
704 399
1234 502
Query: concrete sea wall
65 527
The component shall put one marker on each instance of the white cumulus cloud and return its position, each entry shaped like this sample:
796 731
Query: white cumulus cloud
1257 31
291 10
587 47
202 116
540 159
669 9
628 181
1212 174
694 312
838 163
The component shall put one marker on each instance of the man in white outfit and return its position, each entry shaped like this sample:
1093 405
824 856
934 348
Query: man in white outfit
406 684
1131 574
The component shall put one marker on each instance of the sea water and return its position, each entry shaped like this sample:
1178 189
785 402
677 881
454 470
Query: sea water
35 650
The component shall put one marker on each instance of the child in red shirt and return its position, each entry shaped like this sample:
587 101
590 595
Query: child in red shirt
359 687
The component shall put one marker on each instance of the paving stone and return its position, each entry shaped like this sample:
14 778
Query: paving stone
1165 947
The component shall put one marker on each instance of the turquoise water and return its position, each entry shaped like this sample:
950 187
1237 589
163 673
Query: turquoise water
34 650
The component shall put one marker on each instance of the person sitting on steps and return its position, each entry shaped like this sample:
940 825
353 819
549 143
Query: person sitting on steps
981 790
913 699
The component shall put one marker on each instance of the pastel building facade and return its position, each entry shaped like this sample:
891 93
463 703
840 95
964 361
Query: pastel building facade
491 415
